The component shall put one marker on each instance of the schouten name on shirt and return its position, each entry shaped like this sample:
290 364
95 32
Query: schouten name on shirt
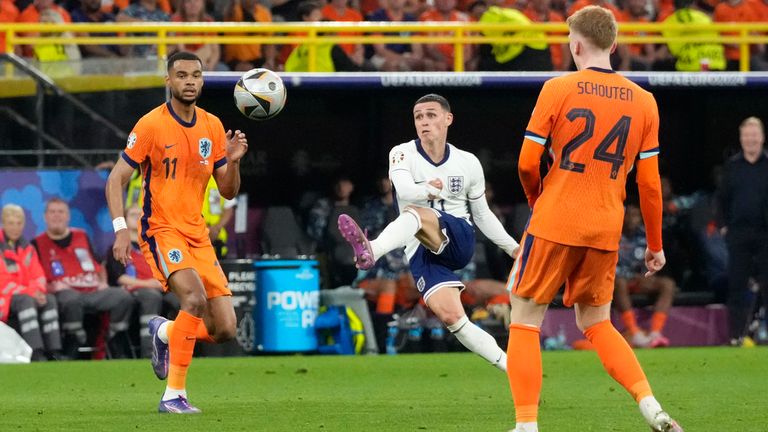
602 90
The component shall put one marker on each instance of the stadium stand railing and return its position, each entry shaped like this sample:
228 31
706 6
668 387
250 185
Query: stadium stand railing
313 34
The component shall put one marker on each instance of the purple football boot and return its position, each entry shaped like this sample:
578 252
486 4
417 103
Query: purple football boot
160 356
180 405
357 239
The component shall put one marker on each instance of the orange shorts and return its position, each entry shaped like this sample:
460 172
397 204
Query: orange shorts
544 266
167 252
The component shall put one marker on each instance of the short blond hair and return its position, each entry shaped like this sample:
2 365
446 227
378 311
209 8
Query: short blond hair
596 24
13 210
752 121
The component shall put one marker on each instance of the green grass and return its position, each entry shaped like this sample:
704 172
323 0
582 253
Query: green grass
706 389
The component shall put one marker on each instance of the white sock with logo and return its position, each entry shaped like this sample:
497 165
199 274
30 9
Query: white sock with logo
479 342
396 234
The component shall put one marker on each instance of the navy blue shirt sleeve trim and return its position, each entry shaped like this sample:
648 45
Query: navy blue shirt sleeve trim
128 159
220 162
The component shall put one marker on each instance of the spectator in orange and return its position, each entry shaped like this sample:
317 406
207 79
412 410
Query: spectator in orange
395 56
8 14
620 59
118 5
243 57
31 14
541 11
442 55
194 11
337 10
735 11
760 57
641 56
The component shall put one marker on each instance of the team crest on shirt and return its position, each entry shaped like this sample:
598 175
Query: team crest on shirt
397 157
131 140
204 147
455 184
420 284
174 255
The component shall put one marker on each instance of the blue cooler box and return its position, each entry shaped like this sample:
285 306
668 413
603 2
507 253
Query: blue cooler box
287 299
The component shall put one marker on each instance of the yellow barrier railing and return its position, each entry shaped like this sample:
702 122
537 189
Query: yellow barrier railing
313 34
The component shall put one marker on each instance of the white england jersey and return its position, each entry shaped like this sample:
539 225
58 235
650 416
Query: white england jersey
460 171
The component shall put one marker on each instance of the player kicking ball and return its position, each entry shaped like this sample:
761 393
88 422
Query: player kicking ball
178 146
596 126
438 187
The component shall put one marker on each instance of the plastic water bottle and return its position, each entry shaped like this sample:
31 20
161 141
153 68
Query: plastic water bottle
391 343
562 341
415 331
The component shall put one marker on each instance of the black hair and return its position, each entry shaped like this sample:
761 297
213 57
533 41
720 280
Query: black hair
432 97
181 55
306 7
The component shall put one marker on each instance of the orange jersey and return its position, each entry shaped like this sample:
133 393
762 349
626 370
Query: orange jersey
447 50
350 15
8 14
176 160
595 124
744 11
581 4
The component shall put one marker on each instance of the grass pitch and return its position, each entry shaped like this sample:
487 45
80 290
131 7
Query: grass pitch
706 389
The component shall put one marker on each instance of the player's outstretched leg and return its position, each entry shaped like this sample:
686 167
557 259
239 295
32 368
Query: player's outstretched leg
393 236
157 326
356 238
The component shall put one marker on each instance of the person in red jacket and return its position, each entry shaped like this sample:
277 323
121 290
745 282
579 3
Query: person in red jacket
77 280
24 301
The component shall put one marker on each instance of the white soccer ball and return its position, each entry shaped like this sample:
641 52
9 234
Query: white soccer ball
260 94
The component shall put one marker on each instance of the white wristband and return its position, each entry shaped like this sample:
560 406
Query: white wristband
118 224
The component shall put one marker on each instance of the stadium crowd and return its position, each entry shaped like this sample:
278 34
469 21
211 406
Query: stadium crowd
398 56
66 301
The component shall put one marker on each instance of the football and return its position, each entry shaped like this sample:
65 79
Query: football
260 94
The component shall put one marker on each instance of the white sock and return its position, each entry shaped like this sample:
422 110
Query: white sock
527 427
479 342
650 408
162 332
396 234
173 393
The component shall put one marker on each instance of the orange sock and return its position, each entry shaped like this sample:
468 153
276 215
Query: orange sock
524 371
658 319
202 334
619 359
499 299
386 303
630 323
181 342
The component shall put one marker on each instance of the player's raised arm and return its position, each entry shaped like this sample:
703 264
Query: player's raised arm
116 183
227 170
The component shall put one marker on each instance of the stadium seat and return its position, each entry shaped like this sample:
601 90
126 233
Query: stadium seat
281 235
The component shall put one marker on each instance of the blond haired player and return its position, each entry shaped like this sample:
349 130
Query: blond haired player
596 126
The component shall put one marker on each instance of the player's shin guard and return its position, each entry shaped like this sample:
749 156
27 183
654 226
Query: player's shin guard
524 371
181 342
618 359
479 342
396 234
